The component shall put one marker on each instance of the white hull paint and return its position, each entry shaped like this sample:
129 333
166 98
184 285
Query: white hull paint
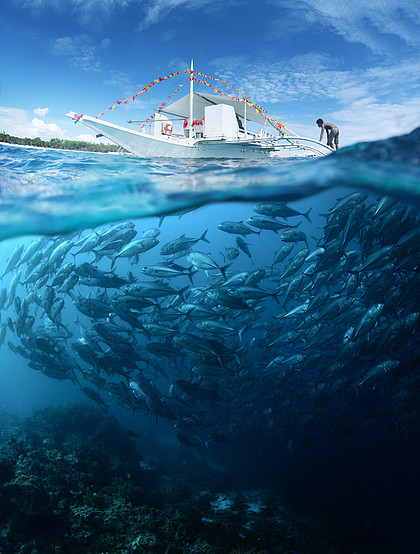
148 146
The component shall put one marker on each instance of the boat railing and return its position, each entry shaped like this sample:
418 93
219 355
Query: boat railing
286 140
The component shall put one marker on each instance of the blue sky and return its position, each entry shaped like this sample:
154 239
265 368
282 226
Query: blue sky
355 63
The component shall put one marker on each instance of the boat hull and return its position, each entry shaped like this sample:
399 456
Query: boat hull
147 146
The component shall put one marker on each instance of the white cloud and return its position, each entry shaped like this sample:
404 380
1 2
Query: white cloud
87 137
312 76
105 43
371 22
95 13
79 50
368 104
294 17
156 10
366 121
120 80
17 122
88 12
178 64
41 129
41 112
373 120
300 77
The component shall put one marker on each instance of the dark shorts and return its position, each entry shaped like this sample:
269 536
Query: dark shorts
333 135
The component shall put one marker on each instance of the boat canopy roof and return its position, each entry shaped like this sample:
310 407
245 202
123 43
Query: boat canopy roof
181 108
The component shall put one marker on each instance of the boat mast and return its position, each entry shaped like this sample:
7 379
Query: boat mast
245 117
191 98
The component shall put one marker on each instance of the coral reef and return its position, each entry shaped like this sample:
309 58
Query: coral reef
71 480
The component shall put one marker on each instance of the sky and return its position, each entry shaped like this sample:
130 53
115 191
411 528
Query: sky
354 63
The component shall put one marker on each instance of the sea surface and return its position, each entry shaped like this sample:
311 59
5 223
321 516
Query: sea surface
210 356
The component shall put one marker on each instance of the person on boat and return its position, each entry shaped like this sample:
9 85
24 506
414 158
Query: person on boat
333 134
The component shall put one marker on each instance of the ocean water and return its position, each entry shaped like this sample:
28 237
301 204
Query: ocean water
264 399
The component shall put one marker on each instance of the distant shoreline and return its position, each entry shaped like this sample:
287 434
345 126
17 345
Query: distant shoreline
59 144
57 149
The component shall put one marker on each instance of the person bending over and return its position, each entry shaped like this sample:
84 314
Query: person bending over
333 134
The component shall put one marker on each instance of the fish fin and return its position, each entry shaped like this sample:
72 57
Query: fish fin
356 274
306 215
223 270
181 292
241 331
191 273
276 299
203 237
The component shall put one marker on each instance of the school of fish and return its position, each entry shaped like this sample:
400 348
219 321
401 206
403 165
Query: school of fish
319 337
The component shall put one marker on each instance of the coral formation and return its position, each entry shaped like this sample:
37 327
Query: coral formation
72 481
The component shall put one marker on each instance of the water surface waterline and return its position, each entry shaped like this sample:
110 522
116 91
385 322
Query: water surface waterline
45 191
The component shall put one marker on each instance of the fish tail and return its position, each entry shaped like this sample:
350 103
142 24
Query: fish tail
241 331
181 292
357 275
306 215
276 298
223 270
191 273
203 237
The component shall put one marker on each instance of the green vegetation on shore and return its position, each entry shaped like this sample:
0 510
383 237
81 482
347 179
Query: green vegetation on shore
59 144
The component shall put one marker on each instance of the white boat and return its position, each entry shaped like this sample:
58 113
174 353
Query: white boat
211 126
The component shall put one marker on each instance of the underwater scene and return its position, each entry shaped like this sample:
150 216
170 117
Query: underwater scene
210 356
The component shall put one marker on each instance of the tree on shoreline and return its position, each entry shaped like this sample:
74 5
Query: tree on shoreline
60 144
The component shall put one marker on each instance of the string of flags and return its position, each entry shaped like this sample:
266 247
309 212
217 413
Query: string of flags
244 98
249 102
229 85
192 74
145 89
160 108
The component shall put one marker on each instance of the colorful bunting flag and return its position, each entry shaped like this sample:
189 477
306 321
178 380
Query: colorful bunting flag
244 99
